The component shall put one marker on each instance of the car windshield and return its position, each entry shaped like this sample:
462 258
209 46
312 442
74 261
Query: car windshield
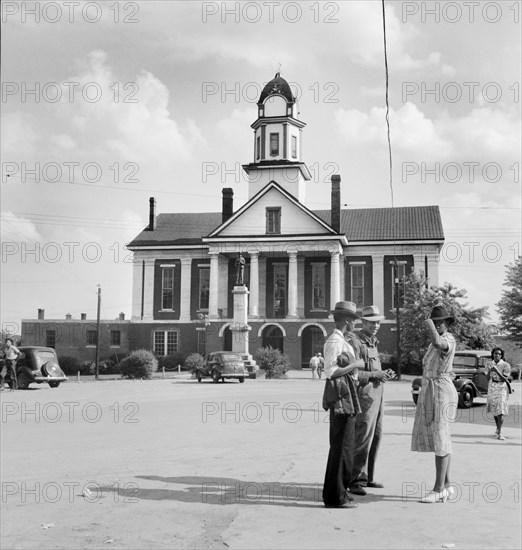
43 356
463 361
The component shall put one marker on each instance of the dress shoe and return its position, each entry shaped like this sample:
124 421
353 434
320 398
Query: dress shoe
347 504
375 485
434 496
357 490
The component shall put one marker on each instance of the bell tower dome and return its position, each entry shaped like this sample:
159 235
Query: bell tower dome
277 142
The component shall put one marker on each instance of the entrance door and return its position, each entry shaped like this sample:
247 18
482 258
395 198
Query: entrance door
273 336
312 341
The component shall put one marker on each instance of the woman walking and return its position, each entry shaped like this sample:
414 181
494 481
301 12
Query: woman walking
498 372
437 403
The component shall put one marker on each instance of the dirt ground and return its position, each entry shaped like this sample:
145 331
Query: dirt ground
171 463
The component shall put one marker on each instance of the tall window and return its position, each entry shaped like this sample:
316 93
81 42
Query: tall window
91 337
204 287
273 220
279 290
398 276
357 288
319 286
167 288
166 342
274 144
115 338
258 147
50 338
294 147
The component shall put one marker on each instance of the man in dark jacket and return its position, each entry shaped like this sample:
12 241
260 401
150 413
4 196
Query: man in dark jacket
368 424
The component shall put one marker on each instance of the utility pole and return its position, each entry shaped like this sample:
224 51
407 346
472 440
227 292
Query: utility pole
397 320
97 372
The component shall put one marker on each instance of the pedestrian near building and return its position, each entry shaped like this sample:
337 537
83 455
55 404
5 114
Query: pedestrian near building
437 403
10 357
499 388
340 398
320 368
314 365
368 424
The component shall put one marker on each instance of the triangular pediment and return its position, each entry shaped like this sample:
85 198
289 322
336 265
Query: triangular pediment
251 218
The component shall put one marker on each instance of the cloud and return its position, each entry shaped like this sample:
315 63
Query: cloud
18 229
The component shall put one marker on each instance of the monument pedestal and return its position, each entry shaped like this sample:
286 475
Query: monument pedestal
240 328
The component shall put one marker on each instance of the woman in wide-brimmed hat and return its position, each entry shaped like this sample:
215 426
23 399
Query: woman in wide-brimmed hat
437 404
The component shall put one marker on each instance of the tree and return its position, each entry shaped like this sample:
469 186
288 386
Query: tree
469 329
510 305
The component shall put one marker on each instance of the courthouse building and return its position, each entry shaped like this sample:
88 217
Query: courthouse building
298 262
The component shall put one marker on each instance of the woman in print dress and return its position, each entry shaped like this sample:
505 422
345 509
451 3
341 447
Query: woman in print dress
437 403
498 371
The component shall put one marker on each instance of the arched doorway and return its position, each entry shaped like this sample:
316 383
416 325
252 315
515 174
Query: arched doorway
227 339
273 336
312 341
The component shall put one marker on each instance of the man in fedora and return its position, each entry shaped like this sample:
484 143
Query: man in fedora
368 424
340 398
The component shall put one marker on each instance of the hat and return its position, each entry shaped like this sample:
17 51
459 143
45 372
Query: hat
348 308
371 313
440 313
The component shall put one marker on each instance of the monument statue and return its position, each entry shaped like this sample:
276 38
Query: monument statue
240 270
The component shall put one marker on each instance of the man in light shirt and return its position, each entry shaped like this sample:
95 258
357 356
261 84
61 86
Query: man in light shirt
341 399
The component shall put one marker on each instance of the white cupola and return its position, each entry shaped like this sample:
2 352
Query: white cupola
277 142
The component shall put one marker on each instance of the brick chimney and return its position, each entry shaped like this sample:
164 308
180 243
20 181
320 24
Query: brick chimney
228 204
68 316
83 316
336 203
152 214
121 316
41 314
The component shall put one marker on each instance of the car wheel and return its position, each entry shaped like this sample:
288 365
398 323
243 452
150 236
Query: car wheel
54 384
215 376
23 381
415 398
466 397
242 379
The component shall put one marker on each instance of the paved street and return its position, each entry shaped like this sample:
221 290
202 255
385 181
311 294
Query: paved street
176 464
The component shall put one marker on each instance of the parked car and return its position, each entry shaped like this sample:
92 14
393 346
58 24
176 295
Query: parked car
470 379
38 364
221 365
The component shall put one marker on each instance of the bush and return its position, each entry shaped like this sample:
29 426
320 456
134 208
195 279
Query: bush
171 362
70 365
139 364
273 362
193 361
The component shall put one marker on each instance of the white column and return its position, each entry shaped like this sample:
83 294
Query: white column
137 286
292 284
254 285
186 277
214 286
378 281
148 294
335 279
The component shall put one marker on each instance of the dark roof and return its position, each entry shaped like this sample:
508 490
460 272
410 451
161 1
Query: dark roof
277 85
365 224
385 224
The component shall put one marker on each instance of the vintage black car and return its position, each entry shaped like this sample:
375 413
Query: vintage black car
470 379
38 364
221 365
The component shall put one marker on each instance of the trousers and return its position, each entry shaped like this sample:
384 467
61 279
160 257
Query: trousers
368 433
340 458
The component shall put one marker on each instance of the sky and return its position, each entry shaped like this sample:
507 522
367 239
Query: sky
105 104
